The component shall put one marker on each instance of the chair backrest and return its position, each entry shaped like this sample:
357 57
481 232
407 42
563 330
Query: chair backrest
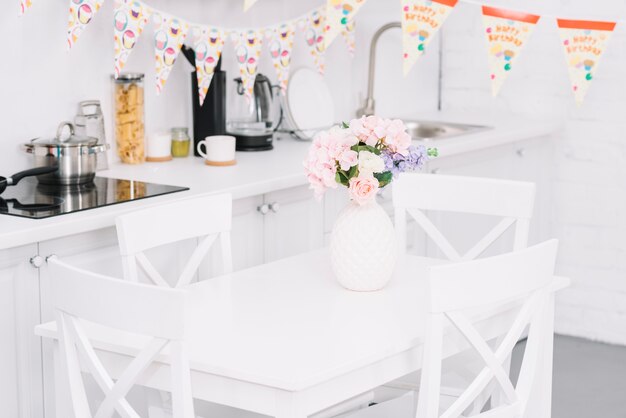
523 277
154 312
206 218
511 200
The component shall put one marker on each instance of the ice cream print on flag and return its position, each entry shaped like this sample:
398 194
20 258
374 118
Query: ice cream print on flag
421 19
81 13
207 44
281 44
129 19
247 52
24 6
584 42
169 34
348 36
338 14
314 37
507 33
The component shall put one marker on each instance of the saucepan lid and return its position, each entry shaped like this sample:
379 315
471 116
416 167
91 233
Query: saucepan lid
65 138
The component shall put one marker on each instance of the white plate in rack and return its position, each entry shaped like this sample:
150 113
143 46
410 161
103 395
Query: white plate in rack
309 106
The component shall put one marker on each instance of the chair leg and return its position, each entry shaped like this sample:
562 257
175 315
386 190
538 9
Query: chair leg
62 403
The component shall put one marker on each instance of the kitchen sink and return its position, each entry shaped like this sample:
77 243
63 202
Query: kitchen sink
432 131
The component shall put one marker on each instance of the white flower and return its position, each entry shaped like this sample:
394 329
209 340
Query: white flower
370 163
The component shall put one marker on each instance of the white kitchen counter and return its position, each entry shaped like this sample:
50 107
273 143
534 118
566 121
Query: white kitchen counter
256 173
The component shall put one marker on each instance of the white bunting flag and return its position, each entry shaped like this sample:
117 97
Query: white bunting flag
349 36
421 19
207 44
314 37
338 14
281 45
81 13
25 5
584 42
507 32
169 35
247 4
247 52
129 19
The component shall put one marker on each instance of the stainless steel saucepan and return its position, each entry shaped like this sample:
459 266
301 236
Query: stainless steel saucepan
75 156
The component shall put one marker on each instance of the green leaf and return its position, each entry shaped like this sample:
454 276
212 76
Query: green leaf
354 171
344 125
369 148
341 177
433 152
384 178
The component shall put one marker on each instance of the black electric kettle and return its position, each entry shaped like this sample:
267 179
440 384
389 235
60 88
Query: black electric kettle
253 121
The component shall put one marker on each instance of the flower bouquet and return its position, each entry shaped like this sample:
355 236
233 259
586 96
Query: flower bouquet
364 156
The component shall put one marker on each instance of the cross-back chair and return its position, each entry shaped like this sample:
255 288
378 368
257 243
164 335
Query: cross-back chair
206 218
155 312
416 193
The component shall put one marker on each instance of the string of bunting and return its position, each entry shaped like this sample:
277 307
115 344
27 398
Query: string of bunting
506 31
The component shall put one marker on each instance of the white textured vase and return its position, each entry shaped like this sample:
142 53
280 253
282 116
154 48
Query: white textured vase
363 247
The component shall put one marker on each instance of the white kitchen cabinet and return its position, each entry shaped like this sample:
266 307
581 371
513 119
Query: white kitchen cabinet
20 350
294 223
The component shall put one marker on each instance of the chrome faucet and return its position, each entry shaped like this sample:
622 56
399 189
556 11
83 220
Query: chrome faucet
369 106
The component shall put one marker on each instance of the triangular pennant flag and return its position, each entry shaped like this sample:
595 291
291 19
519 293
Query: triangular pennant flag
281 43
338 14
584 43
24 6
421 19
348 36
507 33
169 34
208 44
81 13
247 4
314 36
247 51
129 19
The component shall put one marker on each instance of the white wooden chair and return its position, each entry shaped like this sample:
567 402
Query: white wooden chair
205 218
481 286
81 298
416 194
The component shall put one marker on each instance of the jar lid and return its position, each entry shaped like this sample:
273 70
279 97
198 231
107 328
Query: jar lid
64 140
128 77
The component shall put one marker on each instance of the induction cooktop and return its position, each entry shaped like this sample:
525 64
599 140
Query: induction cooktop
29 199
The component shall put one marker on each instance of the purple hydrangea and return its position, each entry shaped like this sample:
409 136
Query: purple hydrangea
397 163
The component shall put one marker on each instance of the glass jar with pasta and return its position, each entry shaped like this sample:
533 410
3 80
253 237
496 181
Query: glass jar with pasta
129 117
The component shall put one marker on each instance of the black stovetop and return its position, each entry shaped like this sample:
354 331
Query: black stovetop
28 199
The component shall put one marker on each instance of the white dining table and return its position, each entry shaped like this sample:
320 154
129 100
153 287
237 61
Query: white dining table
284 339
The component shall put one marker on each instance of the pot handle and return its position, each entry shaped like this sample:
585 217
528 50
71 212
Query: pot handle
15 178
59 135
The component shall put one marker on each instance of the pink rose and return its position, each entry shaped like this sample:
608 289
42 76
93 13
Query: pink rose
363 189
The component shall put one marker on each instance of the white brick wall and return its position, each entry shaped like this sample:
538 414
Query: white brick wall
589 202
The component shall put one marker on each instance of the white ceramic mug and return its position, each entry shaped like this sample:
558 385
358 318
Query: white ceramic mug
159 147
220 150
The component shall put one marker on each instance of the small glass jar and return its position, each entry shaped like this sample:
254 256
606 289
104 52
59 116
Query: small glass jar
180 142
129 117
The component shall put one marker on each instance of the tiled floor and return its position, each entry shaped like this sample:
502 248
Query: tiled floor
589 379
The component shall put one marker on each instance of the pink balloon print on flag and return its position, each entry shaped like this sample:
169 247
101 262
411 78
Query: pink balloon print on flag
81 13
281 44
207 44
129 19
169 34
247 52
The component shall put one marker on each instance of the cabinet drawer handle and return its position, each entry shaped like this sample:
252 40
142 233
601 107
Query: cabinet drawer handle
521 152
36 261
274 207
263 209
435 171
